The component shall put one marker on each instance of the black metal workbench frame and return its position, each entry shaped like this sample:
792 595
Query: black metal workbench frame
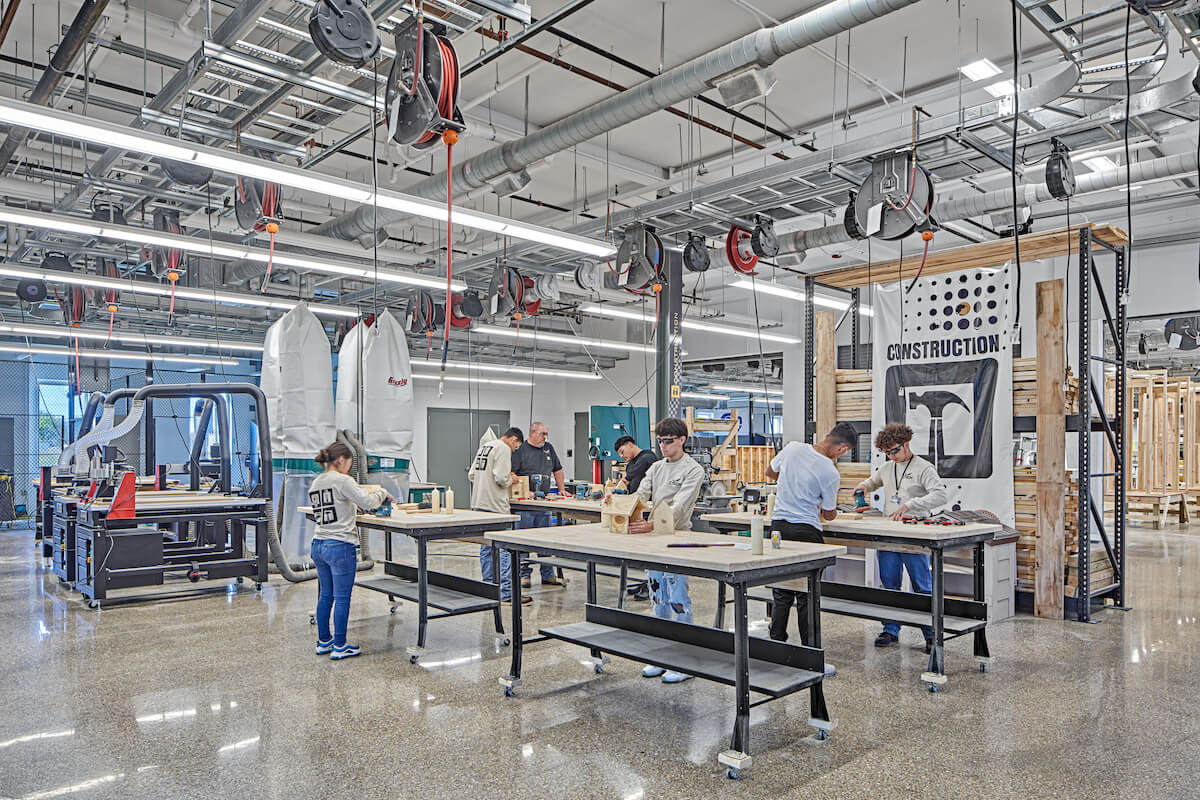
860 601
456 594
809 659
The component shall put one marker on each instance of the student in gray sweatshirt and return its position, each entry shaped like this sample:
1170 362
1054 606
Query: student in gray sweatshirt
491 476
675 480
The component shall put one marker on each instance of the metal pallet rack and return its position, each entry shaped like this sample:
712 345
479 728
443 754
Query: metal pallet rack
1090 399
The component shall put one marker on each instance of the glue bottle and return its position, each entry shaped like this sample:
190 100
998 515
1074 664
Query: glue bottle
756 534
435 501
771 505
449 507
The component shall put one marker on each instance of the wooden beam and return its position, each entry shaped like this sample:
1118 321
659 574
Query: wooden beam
825 372
1050 549
1034 247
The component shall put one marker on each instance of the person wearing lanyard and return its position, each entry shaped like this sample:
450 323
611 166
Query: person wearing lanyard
911 488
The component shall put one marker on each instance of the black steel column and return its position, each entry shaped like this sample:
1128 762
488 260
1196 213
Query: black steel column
855 333
668 345
1119 410
148 452
810 424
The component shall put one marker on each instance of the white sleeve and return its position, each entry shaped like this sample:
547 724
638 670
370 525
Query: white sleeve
685 499
502 469
350 490
829 491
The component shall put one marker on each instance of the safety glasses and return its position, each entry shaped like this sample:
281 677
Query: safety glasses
894 450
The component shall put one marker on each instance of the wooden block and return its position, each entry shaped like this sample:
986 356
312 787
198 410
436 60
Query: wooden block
663 518
1051 426
825 374
520 487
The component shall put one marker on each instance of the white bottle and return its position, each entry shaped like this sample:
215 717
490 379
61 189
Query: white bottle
435 501
771 506
756 534
449 508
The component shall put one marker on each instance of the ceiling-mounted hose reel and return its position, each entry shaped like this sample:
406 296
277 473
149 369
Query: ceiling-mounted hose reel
165 259
108 211
763 241
850 220
896 199
427 316
739 251
1060 175
344 31
545 286
185 173
695 254
256 203
421 99
510 294
588 278
463 309
639 260
1153 6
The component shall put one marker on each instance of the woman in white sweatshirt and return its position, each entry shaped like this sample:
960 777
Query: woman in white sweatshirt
336 498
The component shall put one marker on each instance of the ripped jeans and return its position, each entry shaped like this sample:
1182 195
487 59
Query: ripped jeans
669 593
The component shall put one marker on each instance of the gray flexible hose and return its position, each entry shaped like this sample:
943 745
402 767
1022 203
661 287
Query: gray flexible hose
359 466
296 573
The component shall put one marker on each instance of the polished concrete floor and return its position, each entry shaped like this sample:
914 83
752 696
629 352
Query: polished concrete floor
222 696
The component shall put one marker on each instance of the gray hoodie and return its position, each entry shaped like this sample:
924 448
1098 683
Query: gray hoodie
675 482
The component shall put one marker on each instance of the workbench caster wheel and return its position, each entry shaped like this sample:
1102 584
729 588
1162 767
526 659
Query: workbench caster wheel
413 659
982 667
733 774
505 642
508 692
598 669
241 579
312 619
194 575
392 610
258 588
933 688
822 734
93 604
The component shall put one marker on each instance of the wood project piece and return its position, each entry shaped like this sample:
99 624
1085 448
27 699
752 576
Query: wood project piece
520 487
1051 453
663 517
618 509
825 373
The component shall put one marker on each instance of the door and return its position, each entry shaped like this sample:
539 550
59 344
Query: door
451 442
583 430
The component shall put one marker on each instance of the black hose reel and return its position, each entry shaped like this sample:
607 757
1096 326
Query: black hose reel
421 99
344 31
696 257
1060 175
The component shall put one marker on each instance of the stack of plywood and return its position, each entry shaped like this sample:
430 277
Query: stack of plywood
1025 388
1025 506
853 394
751 462
853 473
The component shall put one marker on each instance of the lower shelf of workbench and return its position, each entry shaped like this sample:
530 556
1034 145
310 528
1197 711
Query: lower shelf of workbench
438 597
903 616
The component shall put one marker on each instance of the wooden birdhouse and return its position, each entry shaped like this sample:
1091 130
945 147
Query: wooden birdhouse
618 509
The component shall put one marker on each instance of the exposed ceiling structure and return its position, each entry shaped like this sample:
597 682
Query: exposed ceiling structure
581 116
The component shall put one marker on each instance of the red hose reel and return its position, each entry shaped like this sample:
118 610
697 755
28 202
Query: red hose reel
738 250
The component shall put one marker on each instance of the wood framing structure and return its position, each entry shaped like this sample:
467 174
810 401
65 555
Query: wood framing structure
825 375
724 454
1049 548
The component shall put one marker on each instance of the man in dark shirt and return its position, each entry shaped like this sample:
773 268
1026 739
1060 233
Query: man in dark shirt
537 460
637 461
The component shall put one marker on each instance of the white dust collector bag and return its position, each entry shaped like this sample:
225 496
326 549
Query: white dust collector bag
374 375
297 380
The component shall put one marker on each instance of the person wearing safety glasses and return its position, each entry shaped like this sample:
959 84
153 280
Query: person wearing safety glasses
675 480
911 488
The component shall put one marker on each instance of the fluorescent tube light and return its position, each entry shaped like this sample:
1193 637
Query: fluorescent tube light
702 396
1100 164
536 371
558 338
98 131
96 334
114 355
979 70
689 324
460 379
144 287
190 244
1004 88
774 289
730 387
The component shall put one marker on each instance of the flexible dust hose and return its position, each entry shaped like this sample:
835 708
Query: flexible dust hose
296 573
359 467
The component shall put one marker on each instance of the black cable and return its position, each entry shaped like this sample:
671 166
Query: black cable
1016 50
762 372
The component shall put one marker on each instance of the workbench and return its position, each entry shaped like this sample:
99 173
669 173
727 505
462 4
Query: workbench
949 618
449 594
577 510
749 664
120 552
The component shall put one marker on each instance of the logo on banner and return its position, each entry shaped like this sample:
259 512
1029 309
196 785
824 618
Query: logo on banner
950 406
397 381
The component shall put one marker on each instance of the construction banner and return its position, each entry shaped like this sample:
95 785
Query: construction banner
942 364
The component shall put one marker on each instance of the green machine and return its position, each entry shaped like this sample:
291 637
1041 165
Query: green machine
609 423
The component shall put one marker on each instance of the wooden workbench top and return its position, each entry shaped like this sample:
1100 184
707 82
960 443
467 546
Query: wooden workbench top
597 540
165 501
878 526
565 504
413 520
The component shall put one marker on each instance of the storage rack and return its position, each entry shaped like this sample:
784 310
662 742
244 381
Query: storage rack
1110 241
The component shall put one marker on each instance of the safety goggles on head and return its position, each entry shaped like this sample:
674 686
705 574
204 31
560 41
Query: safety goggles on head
894 450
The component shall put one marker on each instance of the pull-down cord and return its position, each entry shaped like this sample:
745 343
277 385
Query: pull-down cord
450 137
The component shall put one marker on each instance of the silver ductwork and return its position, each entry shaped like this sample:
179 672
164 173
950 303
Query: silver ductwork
754 50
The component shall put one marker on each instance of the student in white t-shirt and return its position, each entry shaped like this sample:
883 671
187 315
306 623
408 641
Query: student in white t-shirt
806 495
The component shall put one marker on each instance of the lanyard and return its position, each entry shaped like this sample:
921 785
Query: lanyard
896 469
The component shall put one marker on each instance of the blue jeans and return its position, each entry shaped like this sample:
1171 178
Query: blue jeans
891 573
536 519
669 593
487 567
335 562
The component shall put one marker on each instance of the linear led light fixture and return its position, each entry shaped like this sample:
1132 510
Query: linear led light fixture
768 287
979 70
94 334
702 396
191 244
558 338
460 379
122 355
731 387
143 287
73 126
690 324
999 89
536 371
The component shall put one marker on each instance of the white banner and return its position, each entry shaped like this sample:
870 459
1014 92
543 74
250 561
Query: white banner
942 364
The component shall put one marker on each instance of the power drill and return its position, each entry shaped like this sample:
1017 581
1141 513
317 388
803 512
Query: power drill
860 499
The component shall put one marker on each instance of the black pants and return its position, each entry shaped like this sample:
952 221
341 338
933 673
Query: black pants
782 599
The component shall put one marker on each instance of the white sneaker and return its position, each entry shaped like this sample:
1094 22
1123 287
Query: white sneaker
672 676
830 670
652 672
